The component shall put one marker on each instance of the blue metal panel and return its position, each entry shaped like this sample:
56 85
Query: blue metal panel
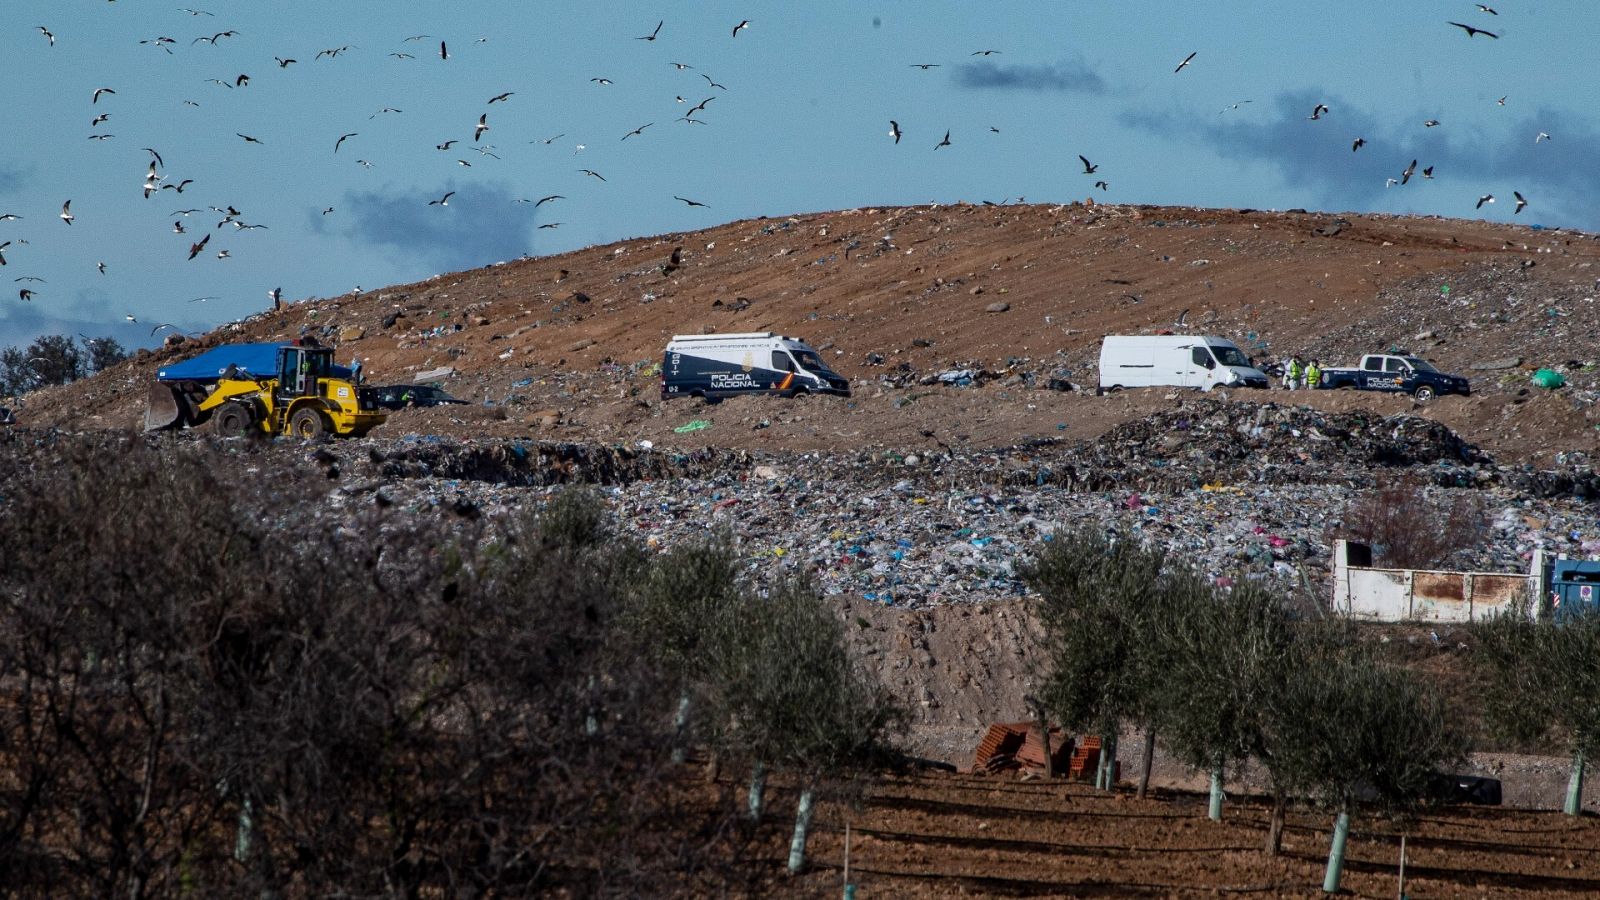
260 360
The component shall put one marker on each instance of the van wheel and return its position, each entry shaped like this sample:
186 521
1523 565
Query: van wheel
1424 393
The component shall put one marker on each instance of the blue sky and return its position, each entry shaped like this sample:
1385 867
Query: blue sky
799 123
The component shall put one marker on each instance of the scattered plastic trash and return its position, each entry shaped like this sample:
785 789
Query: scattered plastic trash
1549 378
695 425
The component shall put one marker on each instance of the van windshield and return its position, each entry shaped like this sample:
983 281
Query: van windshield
810 361
1231 356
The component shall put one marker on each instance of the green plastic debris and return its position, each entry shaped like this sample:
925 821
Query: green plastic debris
696 425
1549 378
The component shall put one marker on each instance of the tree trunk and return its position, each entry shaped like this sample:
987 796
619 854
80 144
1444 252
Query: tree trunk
1147 761
1275 824
1341 833
241 840
1574 804
680 721
1043 724
1110 756
758 784
802 825
1214 811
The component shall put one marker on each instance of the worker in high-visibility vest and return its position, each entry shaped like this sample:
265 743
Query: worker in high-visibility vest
1314 375
1295 372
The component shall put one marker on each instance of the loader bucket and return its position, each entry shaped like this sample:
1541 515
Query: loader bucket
168 407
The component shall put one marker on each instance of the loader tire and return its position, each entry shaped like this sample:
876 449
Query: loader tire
309 424
232 419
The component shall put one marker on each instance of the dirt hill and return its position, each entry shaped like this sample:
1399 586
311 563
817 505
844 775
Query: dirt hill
560 347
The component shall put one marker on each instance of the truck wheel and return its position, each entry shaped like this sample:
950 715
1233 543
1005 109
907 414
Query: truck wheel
309 424
1423 393
232 419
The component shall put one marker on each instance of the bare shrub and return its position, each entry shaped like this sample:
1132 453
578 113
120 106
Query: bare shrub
1409 528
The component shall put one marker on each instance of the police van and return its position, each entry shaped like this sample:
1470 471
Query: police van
714 366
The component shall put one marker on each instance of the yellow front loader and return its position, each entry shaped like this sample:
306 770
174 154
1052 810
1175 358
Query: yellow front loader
305 395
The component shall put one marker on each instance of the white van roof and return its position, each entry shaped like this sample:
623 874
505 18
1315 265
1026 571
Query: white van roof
749 335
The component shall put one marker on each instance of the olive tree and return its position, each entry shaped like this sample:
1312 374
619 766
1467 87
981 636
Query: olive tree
1541 679
1098 600
795 698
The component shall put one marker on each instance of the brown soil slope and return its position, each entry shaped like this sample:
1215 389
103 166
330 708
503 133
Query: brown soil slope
558 343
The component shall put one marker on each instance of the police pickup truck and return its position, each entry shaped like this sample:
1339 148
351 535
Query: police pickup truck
1396 372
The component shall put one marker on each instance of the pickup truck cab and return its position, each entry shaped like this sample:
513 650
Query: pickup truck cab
1396 372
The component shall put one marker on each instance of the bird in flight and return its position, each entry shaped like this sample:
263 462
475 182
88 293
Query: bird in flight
101 137
1541 136
49 35
652 35
712 83
482 126
894 130
1317 111
98 92
1102 185
551 225
1474 31
386 109
1233 106
699 106
680 66
924 66
179 186
1489 10
242 81
66 212
543 200
1089 168
592 172
1486 198
445 145
743 24
9 217
688 201
98 119
442 201
598 80
1357 144
1431 123
248 139
1406 175
25 294
2 252
1186 61
550 140
498 98
1428 172
1520 202
195 248
284 63
463 162
984 52
638 131
341 140
177 228
943 143
444 53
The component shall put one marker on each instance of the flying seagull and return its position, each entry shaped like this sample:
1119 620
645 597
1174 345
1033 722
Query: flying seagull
442 201
543 200
481 127
444 146
943 143
592 172
924 66
49 35
743 24
1410 170
1317 111
284 63
1520 202
1357 144
66 212
1541 136
98 92
1490 11
1185 62
1474 31
444 52
98 119
712 83
688 201
894 130
1102 185
248 139
551 225
984 52
195 248
1486 198
638 131
1430 123
2 252
1089 168
24 293
341 140
1428 172
652 35
498 98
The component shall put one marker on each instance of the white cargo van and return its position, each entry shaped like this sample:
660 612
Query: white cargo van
1175 360
722 365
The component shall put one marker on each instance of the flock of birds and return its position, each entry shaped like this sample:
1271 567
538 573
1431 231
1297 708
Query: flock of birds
157 180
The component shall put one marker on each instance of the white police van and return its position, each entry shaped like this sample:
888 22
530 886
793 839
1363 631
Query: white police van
714 366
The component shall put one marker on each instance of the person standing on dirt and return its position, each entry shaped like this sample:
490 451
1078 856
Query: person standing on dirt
1314 375
1294 373
355 370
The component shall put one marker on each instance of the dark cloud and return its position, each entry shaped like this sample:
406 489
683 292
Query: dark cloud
1068 75
1560 182
480 225
10 180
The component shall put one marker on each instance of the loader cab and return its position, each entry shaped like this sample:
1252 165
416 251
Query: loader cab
300 367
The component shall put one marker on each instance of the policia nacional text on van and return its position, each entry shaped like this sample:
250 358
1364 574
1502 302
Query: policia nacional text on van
714 366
